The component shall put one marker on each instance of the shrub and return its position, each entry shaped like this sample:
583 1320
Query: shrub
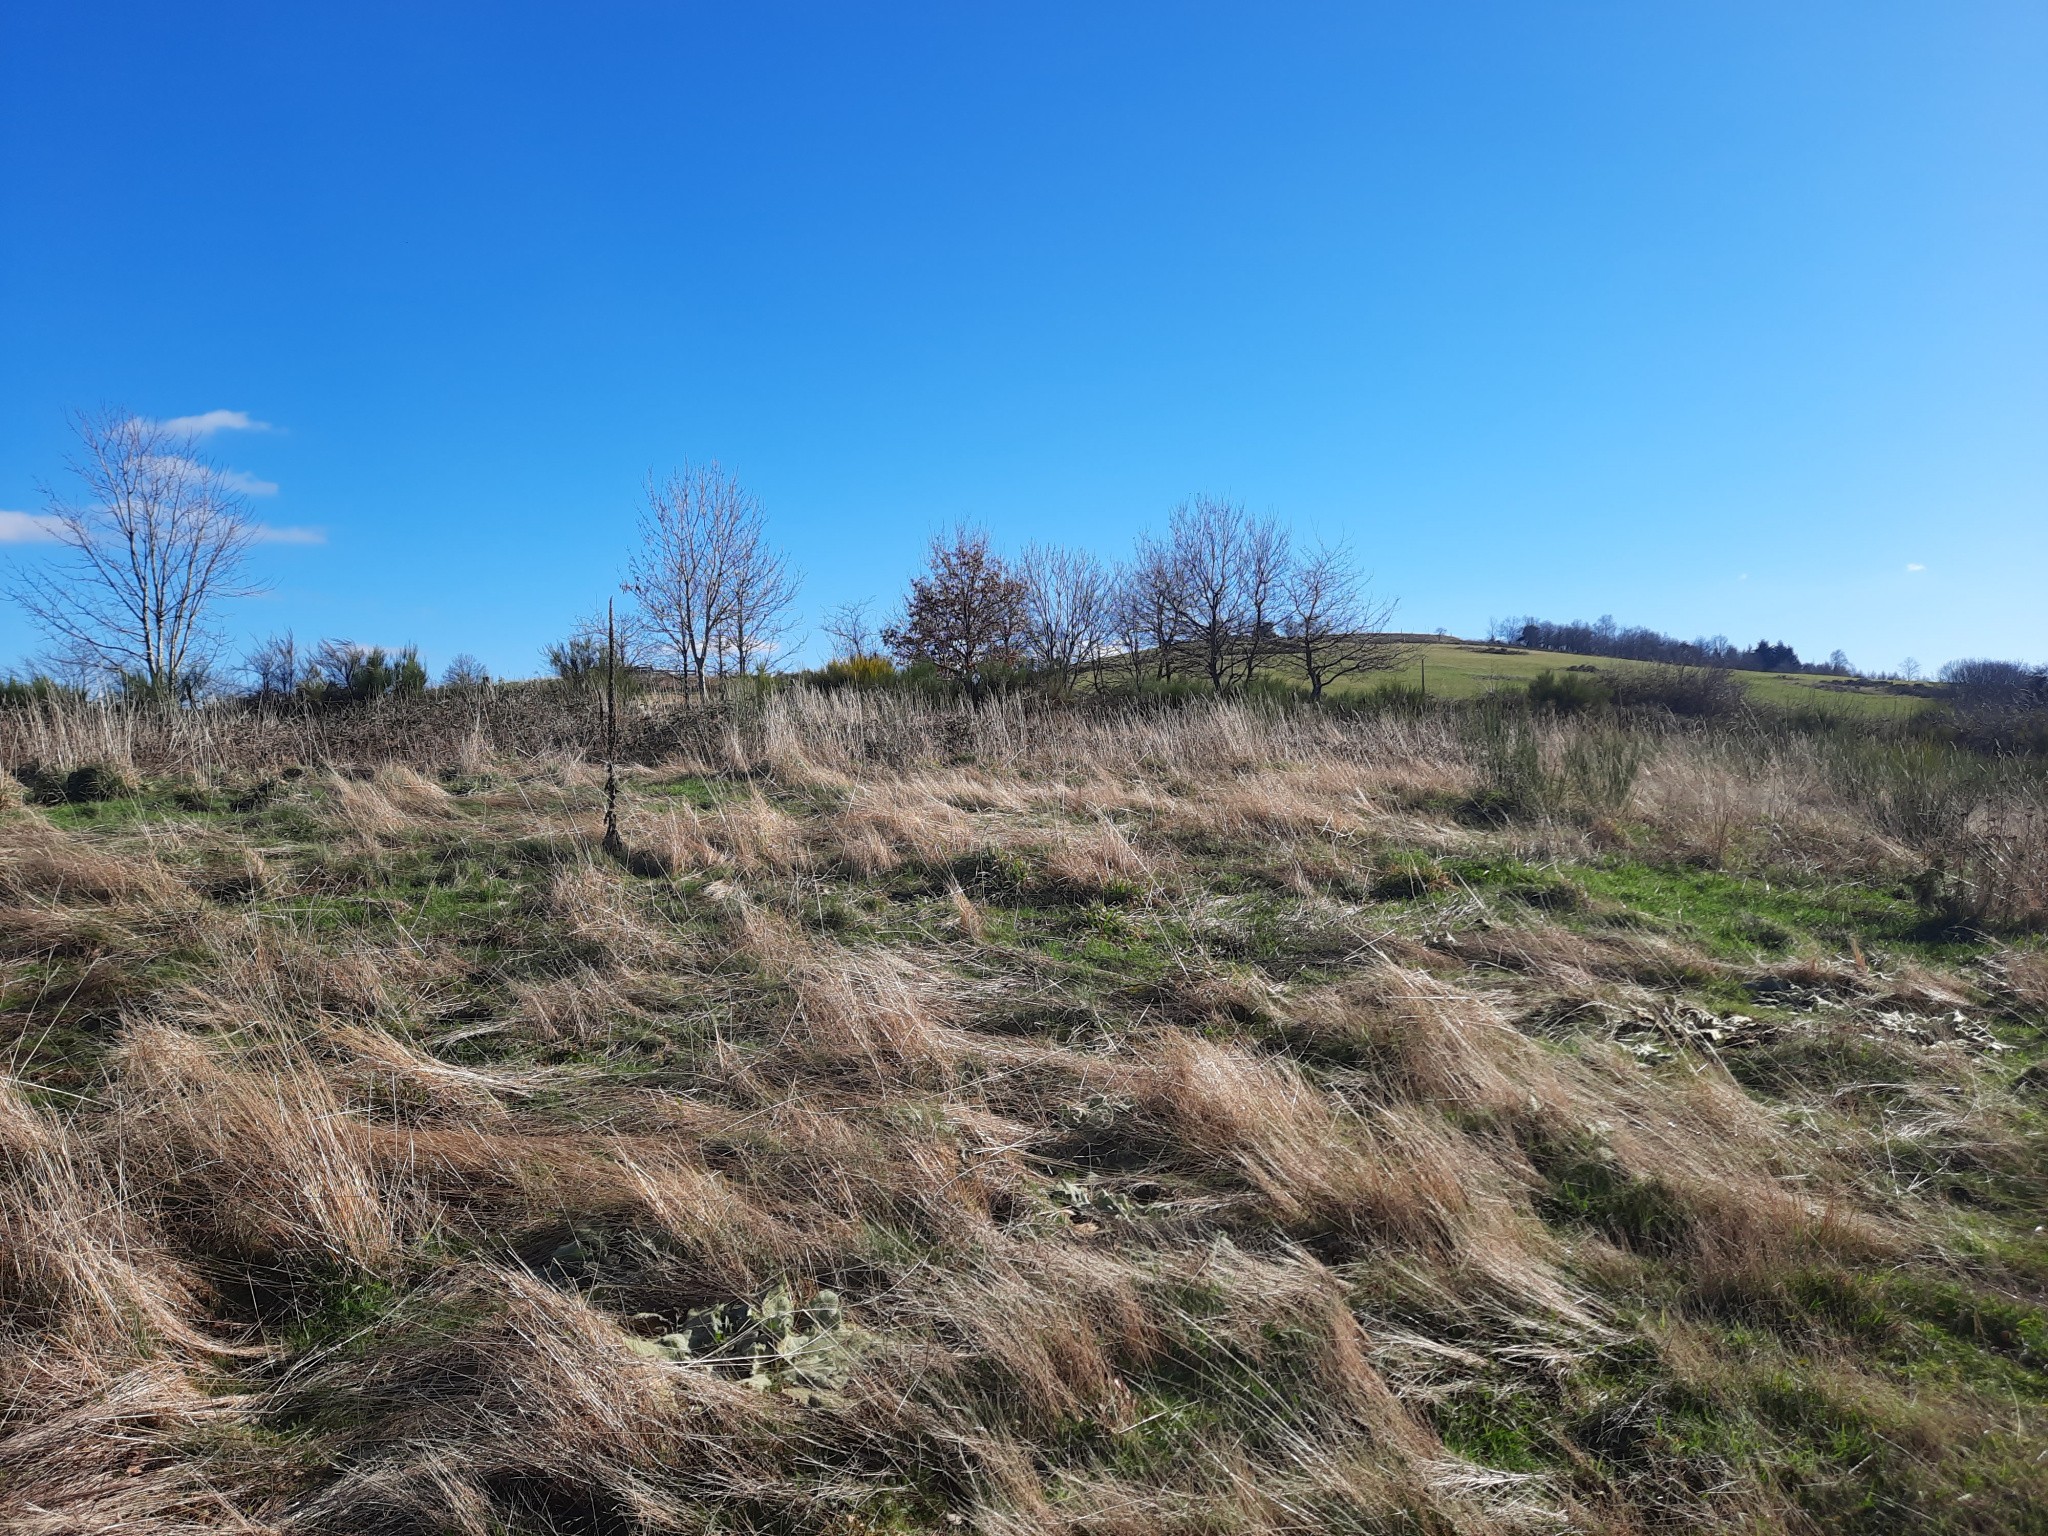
1599 768
1569 692
1700 693
94 782
84 785
1506 754
21 692
344 672
855 672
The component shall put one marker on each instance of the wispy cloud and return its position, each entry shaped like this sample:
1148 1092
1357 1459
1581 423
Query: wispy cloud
1916 566
227 479
206 423
268 535
27 528
38 528
247 484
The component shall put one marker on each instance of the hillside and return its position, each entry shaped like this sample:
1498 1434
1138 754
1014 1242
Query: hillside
1463 669
1210 1120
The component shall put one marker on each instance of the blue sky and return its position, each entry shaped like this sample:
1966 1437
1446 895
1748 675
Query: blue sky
1715 317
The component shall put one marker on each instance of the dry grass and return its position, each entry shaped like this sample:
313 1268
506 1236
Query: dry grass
1090 1122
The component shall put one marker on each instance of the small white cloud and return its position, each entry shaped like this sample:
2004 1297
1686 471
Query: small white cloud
268 535
248 485
1916 566
206 423
230 479
1743 577
27 528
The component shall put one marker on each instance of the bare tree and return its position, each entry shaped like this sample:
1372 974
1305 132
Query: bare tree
761 590
1152 607
157 540
965 614
710 585
852 634
1224 570
603 646
1127 620
1066 609
1332 624
465 674
683 572
1266 564
275 668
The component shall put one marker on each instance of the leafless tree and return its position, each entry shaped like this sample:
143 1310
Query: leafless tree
275 668
1151 606
683 573
761 592
606 646
1127 621
1266 564
465 674
157 540
1225 570
1331 623
965 615
851 632
1066 609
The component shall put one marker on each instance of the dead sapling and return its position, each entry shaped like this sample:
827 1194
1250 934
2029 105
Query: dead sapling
613 843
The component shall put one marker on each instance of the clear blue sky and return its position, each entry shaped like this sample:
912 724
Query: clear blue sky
1715 316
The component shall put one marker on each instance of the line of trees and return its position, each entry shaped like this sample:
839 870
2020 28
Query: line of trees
1221 598
1636 643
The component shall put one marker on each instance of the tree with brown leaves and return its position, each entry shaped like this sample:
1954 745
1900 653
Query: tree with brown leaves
966 614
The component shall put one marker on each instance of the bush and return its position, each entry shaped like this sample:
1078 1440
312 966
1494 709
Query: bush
347 673
1510 762
21 692
84 785
1599 769
855 672
1569 692
1698 693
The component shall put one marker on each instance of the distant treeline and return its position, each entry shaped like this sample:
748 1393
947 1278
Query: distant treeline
1636 643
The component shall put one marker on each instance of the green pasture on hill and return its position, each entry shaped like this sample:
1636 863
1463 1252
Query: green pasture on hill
1463 669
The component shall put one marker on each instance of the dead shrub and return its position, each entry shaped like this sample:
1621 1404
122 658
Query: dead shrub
583 1007
414 794
888 829
596 910
538 1400
142 1451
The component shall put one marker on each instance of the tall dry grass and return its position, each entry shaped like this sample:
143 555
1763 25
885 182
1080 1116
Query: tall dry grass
1161 1178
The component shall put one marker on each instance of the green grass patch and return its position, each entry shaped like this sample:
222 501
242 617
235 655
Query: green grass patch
1734 916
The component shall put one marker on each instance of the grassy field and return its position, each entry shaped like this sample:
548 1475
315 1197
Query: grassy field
1463 669
1211 1120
